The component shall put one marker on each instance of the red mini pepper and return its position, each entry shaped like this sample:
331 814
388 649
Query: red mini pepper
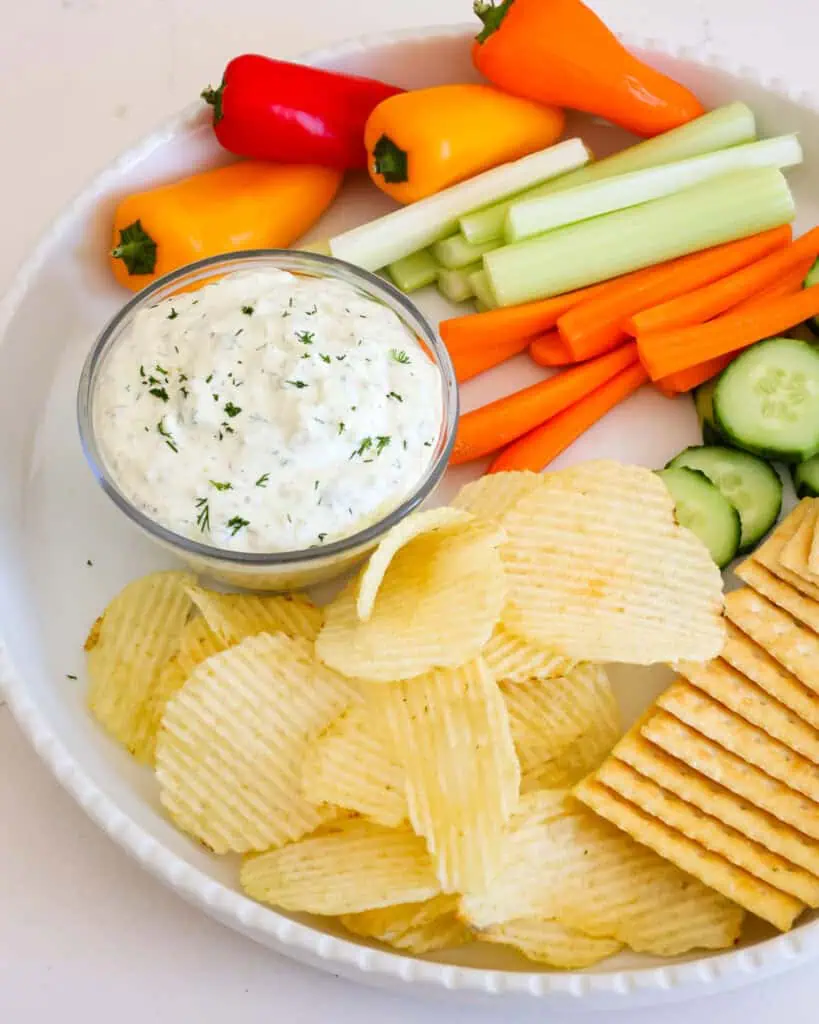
273 110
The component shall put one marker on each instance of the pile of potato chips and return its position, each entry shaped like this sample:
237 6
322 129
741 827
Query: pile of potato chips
722 776
402 760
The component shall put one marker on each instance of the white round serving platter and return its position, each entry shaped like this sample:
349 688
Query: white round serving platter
65 550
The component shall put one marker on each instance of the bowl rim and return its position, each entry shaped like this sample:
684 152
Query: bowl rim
650 984
326 266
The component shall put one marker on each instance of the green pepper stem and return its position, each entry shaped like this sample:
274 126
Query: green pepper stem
390 160
492 16
136 249
214 97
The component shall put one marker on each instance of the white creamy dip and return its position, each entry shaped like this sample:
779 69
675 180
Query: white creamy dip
267 412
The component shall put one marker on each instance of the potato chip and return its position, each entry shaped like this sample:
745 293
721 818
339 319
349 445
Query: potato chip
731 689
350 766
491 497
755 663
450 730
735 774
577 760
437 606
813 554
599 570
786 640
769 553
234 617
198 641
436 521
549 942
349 866
708 831
795 552
714 871
791 600
754 746
564 863
414 927
512 659
128 648
721 803
549 715
232 743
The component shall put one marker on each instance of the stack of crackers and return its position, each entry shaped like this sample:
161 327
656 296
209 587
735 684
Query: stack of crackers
721 776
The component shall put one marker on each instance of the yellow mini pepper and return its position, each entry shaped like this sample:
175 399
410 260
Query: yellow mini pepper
246 205
423 141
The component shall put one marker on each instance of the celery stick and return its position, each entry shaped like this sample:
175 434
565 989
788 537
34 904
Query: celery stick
482 289
718 129
534 216
455 284
418 225
481 307
726 208
455 252
414 271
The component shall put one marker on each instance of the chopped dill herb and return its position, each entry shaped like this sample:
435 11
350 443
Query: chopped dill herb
382 442
232 410
341 358
365 445
321 537
220 486
159 393
400 357
169 441
305 337
142 372
237 523
297 383
341 427
209 378
324 358
262 481
312 312
394 395
203 515
315 485
172 315
69 676
161 369
247 310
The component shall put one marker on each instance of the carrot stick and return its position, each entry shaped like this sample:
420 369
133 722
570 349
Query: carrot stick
486 429
469 363
524 321
549 349
596 325
785 285
687 380
705 303
539 447
665 352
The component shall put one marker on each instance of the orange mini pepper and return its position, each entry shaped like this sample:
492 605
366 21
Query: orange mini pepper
244 205
422 141
560 52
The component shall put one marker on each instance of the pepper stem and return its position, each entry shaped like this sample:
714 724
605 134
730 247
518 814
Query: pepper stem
136 249
214 97
492 16
390 161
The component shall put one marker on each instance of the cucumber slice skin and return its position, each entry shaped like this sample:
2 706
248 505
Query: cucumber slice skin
728 395
811 278
755 478
806 478
722 529
704 405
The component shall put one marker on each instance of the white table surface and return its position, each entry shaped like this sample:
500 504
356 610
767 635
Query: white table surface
84 934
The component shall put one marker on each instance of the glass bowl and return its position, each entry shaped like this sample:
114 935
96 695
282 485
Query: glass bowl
280 570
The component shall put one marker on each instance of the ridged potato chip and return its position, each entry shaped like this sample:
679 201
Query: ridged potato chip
731 689
755 663
707 795
714 871
732 772
450 731
436 521
792 644
769 553
127 650
347 867
598 569
753 745
349 765
708 831
198 641
564 863
509 658
548 715
416 928
549 942
234 617
813 554
576 761
491 497
232 743
795 553
436 607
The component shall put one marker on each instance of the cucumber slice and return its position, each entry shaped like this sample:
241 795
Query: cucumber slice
767 400
704 404
705 512
811 278
751 485
806 478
